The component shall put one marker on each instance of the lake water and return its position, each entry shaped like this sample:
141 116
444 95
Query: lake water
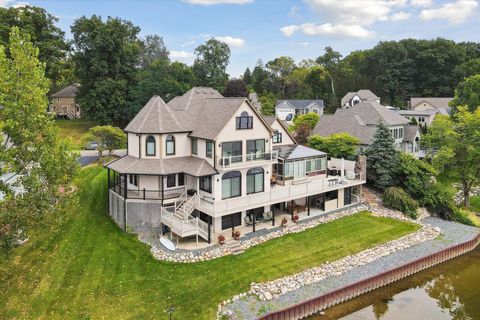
448 291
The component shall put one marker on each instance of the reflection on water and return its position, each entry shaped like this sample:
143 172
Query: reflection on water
448 291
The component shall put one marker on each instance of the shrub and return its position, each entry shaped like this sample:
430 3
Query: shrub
397 198
462 216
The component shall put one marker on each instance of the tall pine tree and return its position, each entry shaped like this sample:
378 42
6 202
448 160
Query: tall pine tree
382 159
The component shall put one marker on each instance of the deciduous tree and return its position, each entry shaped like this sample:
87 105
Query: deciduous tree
107 53
29 146
467 94
210 65
107 138
338 145
457 139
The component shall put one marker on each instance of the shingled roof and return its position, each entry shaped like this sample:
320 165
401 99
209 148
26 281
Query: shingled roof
201 111
68 92
360 121
433 101
193 166
364 94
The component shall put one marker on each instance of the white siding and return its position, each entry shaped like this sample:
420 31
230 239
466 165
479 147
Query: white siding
132 144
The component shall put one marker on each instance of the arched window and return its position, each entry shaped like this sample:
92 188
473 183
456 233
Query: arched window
255 180
150 146
231 184
170 147
244 121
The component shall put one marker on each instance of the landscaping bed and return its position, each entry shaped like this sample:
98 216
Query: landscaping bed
91 269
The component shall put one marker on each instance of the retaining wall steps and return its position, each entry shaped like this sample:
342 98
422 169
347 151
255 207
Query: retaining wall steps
235 247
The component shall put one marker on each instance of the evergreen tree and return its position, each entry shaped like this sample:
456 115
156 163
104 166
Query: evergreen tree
247 76
382 159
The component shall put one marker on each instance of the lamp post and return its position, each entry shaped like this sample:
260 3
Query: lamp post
170 310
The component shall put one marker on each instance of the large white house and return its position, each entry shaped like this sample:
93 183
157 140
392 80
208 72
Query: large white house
286 110
204 163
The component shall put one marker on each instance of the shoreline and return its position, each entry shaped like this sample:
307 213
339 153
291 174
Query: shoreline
307 300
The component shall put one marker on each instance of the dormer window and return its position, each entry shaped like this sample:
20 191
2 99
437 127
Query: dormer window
150 146
244 121
170 145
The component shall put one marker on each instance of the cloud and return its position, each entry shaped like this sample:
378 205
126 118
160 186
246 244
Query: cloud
349 18
398 16
455 12
231 41
328 29
182 56
214 2
294 12
13 3
421 3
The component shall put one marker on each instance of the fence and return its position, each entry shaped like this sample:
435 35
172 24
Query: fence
310 307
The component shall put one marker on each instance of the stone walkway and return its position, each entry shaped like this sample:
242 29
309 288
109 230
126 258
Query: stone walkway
250 307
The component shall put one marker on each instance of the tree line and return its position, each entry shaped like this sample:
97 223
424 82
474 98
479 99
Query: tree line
119 70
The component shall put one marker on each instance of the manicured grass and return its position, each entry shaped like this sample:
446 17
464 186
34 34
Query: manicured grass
475 203
445 179
74 129
91 270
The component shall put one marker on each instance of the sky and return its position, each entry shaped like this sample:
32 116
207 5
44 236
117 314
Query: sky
268 29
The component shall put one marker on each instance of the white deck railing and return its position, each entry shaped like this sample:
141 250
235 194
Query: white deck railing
246 159
276 194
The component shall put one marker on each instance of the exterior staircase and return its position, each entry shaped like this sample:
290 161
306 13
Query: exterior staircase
371 197
180 220
234 247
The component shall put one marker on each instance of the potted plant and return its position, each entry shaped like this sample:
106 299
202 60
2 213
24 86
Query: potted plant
295 218
236 235
221 239
284 222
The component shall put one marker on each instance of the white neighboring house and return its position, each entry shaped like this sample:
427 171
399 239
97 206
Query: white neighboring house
286 110
203 164
9 178
431 103
362 121
353 98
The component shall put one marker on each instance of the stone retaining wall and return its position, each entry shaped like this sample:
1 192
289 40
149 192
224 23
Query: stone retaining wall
312 306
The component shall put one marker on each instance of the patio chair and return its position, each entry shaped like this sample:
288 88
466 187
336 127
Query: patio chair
248 220
268 216
260 217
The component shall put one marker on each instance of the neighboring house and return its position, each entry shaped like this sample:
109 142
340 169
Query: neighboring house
362 122
203 164
286 110
353 98
423 117
8 178
440 104
63 103
253 97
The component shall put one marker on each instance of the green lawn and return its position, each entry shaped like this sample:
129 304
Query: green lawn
475 203
91 270
74 129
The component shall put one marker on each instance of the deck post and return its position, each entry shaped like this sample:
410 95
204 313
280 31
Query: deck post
209 229
308 206
163 188
125 201
254 219
291 208
273 214
108 189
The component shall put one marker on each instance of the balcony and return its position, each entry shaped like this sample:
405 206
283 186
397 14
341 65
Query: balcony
277 193
145 194
248 160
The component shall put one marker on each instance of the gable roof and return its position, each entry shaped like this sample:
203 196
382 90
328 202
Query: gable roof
270 120
364 94
373 112
410 132
360 122
433 101
201 111
68 92
301 104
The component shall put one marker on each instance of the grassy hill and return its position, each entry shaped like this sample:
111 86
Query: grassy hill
74 129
